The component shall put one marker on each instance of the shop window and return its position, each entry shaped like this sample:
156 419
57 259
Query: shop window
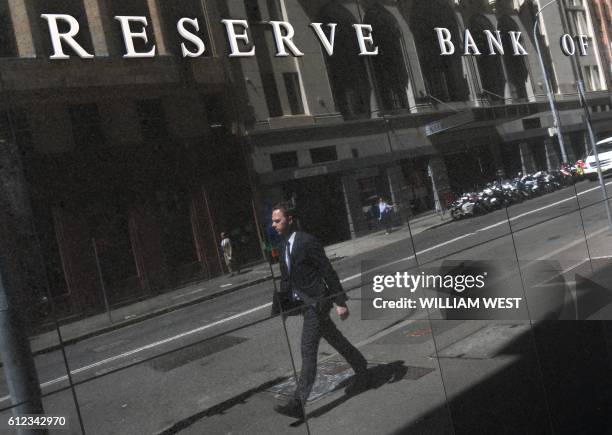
87 129
323 154
284 160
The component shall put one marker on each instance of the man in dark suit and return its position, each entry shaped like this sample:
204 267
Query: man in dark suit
309 283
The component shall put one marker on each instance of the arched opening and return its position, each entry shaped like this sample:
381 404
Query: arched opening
515 65
490 67
390 72
347 71
443 75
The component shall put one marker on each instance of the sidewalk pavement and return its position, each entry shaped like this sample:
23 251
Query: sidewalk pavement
204 290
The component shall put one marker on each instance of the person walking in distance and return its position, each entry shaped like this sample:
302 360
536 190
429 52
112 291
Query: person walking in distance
309 281
384 214
226 248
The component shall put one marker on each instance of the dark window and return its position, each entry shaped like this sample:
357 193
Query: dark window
271 92
137 8
284 160
355 153
23 132
152 118
215 110
172 12
323 154
86 125
292 84
73 8
531 123
8 46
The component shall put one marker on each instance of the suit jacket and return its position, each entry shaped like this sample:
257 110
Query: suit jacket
311 274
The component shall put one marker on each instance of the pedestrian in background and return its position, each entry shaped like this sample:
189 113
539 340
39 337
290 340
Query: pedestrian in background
384 214
226 248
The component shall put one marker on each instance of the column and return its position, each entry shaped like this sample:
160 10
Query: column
22 29
527 161
552 157
439 178
156 23
496 152
99 28
358 224
399 191
570 149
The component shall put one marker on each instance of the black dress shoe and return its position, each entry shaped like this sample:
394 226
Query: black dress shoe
359 383
292 409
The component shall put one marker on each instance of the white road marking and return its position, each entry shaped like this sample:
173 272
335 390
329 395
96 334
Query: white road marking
349 278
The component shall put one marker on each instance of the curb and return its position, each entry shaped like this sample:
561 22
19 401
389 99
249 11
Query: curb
143 317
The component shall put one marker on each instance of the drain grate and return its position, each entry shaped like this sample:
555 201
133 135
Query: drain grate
332 375
185 356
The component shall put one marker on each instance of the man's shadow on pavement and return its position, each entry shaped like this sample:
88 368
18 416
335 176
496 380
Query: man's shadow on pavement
380 375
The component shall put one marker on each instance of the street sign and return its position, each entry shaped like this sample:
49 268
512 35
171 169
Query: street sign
449 122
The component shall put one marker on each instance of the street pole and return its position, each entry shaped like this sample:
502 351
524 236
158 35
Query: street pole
17 362
602 184
15 254
551 97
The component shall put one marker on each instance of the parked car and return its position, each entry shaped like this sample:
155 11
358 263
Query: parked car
604 149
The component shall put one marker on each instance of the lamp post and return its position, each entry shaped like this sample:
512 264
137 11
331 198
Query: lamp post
551 98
